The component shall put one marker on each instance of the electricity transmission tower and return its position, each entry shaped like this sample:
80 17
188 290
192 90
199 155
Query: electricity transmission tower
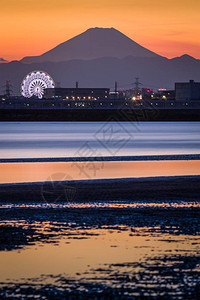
137 86
8 88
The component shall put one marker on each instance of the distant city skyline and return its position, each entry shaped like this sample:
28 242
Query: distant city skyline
170 28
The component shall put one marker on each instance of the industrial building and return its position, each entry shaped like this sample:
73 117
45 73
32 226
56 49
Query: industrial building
77 93
187 90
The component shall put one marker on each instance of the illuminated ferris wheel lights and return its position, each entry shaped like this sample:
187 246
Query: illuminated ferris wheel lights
35 83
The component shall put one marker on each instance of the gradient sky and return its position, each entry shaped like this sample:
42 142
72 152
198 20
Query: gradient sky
31 27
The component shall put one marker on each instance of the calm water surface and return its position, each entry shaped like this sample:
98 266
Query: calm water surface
74 252
69 139
60 171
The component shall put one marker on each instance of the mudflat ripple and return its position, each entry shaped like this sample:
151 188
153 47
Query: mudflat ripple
115 250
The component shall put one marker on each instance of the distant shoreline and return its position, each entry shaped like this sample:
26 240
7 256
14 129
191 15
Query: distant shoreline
103 158
154 114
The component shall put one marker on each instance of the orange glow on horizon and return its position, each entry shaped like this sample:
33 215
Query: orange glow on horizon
31 27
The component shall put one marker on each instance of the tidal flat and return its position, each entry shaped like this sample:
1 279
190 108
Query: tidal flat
117 249
100 236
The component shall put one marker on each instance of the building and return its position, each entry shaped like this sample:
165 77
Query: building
165 94
77 93
187 90
147 93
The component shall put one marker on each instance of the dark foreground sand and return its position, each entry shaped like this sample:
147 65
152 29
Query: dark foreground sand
131 189
169 274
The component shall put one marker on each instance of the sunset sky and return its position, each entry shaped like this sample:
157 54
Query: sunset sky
31 27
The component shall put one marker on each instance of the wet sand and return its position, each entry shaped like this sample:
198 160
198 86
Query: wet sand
87 253
128 238
131 189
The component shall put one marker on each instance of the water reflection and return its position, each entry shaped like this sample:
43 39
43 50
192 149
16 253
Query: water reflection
111 205
61 139
57 171
75 250
117 248
97 259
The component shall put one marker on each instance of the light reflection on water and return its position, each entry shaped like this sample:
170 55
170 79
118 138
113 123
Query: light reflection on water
59 171
62 256
77 251
111 205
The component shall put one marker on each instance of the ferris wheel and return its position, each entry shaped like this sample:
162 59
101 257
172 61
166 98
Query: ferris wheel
35 83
